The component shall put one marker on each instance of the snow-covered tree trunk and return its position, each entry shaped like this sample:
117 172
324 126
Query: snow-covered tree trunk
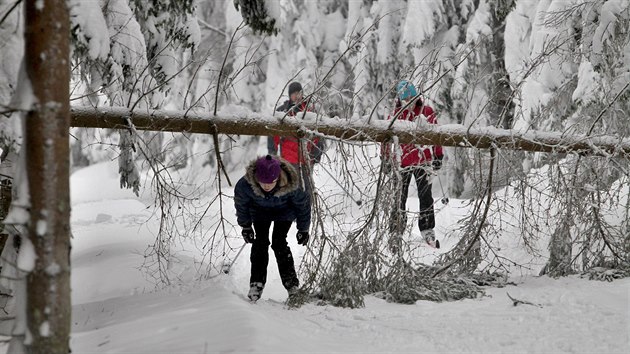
560 249
249 123
454 98
501 103
47 64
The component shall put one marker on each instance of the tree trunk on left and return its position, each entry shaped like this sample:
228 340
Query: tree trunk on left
47 35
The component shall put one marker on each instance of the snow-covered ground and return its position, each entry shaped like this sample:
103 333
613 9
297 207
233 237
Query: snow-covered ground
575 315
117 309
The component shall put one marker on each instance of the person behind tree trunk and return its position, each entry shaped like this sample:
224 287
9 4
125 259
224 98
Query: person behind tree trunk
269 192
415 161
289 147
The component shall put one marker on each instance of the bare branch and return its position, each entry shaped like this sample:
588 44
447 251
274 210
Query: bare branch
15 5
516 302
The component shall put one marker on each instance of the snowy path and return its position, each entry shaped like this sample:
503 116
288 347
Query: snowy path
214 319
117 310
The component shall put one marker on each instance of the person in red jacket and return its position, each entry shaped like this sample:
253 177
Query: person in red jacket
415 161
289 147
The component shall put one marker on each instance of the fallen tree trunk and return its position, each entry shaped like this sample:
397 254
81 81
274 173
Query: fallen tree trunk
249 123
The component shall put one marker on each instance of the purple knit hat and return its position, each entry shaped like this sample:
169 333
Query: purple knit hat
267 169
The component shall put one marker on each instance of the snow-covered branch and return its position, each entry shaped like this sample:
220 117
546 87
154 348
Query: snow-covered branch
249 123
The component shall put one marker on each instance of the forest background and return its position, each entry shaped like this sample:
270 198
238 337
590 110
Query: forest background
525 66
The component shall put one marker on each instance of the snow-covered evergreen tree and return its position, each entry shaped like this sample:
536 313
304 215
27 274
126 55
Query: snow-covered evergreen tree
11 53
550 65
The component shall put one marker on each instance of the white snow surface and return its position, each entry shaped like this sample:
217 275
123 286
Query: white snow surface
118 309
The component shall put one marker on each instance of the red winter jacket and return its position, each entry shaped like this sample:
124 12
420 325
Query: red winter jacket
413 155
289 146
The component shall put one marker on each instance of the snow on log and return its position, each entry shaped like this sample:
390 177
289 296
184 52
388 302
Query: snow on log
243 122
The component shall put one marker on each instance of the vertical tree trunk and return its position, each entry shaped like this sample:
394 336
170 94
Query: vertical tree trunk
501 105
500 94
47 35
560 249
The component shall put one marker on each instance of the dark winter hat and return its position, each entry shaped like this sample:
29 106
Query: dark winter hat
294 87
267 169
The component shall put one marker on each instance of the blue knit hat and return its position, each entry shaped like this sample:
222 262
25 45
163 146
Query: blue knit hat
406 90
267 169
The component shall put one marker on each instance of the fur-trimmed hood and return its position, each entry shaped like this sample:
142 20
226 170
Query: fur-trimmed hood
286 202
287 183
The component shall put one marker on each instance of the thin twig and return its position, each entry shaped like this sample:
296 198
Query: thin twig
516 302
18 2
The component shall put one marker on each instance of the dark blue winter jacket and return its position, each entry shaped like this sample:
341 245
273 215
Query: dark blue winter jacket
286 202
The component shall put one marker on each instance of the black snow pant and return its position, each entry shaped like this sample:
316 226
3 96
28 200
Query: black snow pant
427 214
260 253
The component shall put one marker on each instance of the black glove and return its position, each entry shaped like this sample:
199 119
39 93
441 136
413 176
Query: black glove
437 164
248 234
302 237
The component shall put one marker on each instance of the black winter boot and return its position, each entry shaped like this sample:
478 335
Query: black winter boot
255 291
